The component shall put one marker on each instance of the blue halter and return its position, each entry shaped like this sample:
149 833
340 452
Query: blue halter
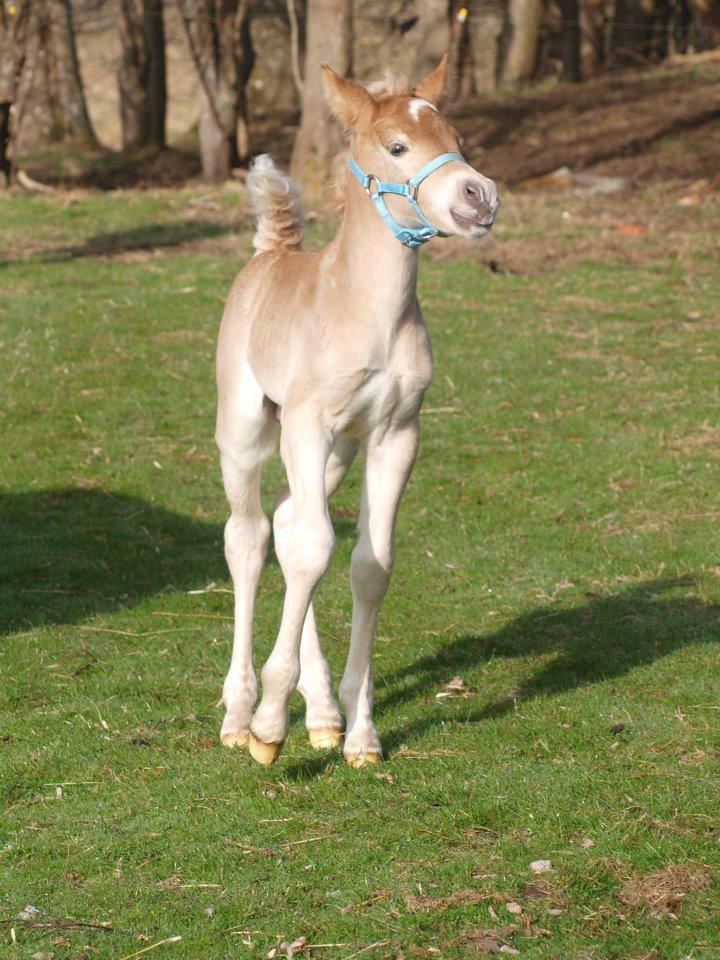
410 236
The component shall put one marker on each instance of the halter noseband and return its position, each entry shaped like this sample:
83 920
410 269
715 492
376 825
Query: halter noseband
411 236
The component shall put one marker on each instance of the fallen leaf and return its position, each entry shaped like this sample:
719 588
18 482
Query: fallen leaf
632 229
299 945
27 913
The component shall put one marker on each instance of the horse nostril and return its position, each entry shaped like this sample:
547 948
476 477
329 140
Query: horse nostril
473 191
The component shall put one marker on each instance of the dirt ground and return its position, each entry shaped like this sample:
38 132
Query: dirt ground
659 124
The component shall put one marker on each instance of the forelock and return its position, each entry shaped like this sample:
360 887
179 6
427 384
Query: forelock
390 85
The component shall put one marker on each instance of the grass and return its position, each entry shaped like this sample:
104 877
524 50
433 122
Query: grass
557 551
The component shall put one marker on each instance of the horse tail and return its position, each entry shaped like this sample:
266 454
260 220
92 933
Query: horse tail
275 201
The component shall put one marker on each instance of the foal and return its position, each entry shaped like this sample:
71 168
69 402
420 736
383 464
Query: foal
332 344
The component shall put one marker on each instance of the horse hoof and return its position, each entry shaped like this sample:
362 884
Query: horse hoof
237 739
264 753
363 758
325 739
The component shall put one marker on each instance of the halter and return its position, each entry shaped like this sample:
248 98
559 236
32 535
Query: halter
411 236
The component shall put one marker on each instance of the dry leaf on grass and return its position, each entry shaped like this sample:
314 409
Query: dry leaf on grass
544 891
172 883
487 941
664 890
288 949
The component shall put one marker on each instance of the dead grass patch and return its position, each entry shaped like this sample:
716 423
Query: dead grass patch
705 441
416 903
664 890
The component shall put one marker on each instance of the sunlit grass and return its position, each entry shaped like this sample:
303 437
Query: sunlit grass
557 551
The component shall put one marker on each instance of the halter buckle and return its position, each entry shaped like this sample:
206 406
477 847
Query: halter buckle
369 177
414 187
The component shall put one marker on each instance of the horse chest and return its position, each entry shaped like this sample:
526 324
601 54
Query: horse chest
384 398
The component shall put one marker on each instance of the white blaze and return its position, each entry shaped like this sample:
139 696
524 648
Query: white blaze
417 105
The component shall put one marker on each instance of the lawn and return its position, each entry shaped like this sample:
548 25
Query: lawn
547 664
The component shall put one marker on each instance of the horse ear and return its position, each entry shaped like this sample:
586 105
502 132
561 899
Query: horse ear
350 102
431 87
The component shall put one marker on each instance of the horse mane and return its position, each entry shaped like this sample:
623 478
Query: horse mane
388 86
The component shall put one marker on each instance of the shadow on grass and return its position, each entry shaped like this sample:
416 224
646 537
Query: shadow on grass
69 554
151 236
606 637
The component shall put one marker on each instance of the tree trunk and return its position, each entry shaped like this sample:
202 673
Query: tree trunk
327 41
75 117
640 31
594 34
430 35
521 56
485 25
7 93
141 74
14 37
570 37
216 138
218 35
708 13
461 83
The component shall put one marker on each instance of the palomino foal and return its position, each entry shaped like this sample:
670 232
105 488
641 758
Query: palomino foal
332 344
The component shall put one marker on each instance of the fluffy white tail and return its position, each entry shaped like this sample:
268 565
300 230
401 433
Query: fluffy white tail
275 201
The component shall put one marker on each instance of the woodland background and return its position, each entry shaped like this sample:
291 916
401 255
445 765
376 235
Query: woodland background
110 92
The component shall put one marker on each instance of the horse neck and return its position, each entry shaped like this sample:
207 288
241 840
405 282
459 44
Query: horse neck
380 272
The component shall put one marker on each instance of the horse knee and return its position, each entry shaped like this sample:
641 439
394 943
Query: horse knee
370 569
246 539
310 549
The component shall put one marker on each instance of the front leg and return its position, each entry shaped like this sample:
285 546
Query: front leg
389 463
305 447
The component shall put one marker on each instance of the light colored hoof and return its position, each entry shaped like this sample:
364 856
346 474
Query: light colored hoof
325 739
363 758
238 739
264 753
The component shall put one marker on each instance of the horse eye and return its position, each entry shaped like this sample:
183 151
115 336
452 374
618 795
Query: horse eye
397 149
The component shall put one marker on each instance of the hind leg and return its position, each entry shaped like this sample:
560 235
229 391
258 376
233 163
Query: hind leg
323 718
246 438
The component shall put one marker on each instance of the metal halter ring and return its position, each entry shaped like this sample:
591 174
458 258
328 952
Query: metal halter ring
369 178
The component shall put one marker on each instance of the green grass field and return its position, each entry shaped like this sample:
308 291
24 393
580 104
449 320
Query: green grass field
557 551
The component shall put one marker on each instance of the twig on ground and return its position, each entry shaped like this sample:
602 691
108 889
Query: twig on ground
370 946
139 953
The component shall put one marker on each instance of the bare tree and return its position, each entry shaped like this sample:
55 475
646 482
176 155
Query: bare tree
141 73
640 31
74 115
218 35
14 20
708 14
521 56
327 41
594 28
570 40
460 62
431 34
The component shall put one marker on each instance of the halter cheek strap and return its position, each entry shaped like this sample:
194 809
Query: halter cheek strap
410 236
